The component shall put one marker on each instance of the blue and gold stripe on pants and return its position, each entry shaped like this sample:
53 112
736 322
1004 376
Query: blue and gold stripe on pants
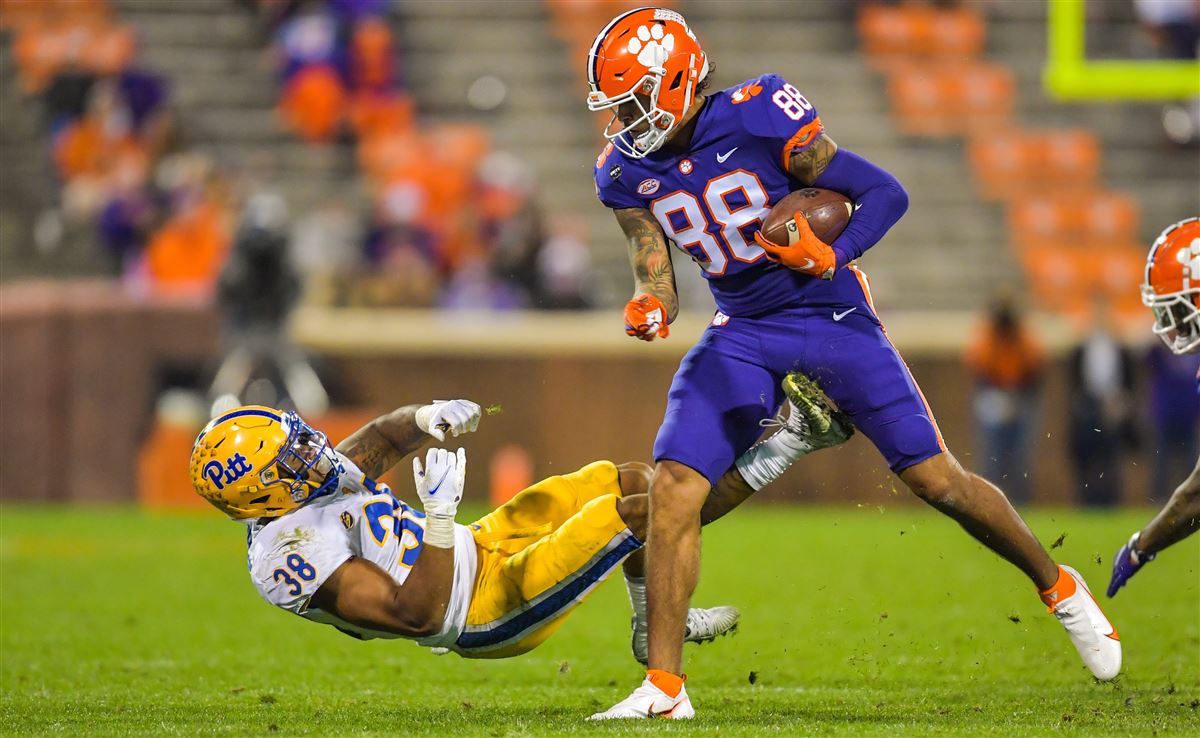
540 555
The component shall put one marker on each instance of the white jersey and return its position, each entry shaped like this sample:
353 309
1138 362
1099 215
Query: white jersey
291 556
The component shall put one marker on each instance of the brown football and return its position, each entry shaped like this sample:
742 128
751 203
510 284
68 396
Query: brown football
827 211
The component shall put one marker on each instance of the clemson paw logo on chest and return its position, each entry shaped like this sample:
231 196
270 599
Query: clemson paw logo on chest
652 45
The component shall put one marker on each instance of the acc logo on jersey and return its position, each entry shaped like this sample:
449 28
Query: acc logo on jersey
743 94
686 166
648 186
234 468
347 520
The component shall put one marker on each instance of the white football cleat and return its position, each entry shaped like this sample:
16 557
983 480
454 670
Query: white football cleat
703 626
648 701
1094 636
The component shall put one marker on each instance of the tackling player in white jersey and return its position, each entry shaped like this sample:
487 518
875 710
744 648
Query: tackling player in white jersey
329 543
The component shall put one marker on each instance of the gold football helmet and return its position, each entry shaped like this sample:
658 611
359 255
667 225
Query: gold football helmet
257 462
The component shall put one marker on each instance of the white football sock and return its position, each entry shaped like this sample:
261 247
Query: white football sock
768 459
636 587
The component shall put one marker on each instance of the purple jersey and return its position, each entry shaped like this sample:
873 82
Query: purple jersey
711 199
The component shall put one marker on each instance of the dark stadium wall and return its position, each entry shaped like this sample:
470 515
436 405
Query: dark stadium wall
79 373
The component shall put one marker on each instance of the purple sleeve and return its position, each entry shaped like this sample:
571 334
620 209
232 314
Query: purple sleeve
879 201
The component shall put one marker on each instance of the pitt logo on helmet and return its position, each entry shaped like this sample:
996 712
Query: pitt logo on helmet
255 462
234 469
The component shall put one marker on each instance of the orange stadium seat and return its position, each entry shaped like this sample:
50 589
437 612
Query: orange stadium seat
1018 163
45 46
901 33
1117 271
1067 276
576 23
945 100
1059 276
186 254
17 14
1094 217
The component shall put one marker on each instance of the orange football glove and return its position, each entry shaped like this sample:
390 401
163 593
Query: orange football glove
809 254
646 317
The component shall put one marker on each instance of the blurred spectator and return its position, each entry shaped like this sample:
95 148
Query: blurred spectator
307 39
1101 377
1174 416
372 59
66 96
186 254
564 268
1174 29
271 13
326 240
510 222
1173 25
314 103
258 289
1007 364
126 220
354 11
475 286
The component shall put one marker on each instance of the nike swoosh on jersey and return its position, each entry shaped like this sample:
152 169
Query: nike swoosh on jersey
808 264
722 157
838 316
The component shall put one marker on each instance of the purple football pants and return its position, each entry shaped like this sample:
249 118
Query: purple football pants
730 380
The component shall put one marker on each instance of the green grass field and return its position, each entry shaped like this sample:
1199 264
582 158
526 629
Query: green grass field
856 621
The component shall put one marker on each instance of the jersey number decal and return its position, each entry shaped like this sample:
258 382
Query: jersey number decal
686 221
301 568
403 526
791 102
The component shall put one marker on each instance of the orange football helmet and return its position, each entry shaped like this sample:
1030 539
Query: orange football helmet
1172 286
651 58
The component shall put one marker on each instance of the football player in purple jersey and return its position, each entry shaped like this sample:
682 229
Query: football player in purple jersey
701 170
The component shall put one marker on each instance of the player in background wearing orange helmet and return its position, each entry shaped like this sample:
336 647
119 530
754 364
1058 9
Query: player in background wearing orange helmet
1172 292
701 170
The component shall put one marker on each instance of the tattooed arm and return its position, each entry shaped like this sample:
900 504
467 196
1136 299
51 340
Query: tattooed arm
650 256
380 444
879 199
808 164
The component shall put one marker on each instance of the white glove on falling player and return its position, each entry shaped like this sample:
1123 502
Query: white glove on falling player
456 416
440 487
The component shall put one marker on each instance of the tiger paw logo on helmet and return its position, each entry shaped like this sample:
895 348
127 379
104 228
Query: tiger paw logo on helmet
646 68
652 45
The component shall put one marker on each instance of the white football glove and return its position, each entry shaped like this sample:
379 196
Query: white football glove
456 416
440 483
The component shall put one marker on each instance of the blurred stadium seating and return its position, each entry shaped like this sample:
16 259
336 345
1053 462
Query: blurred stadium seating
438 154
